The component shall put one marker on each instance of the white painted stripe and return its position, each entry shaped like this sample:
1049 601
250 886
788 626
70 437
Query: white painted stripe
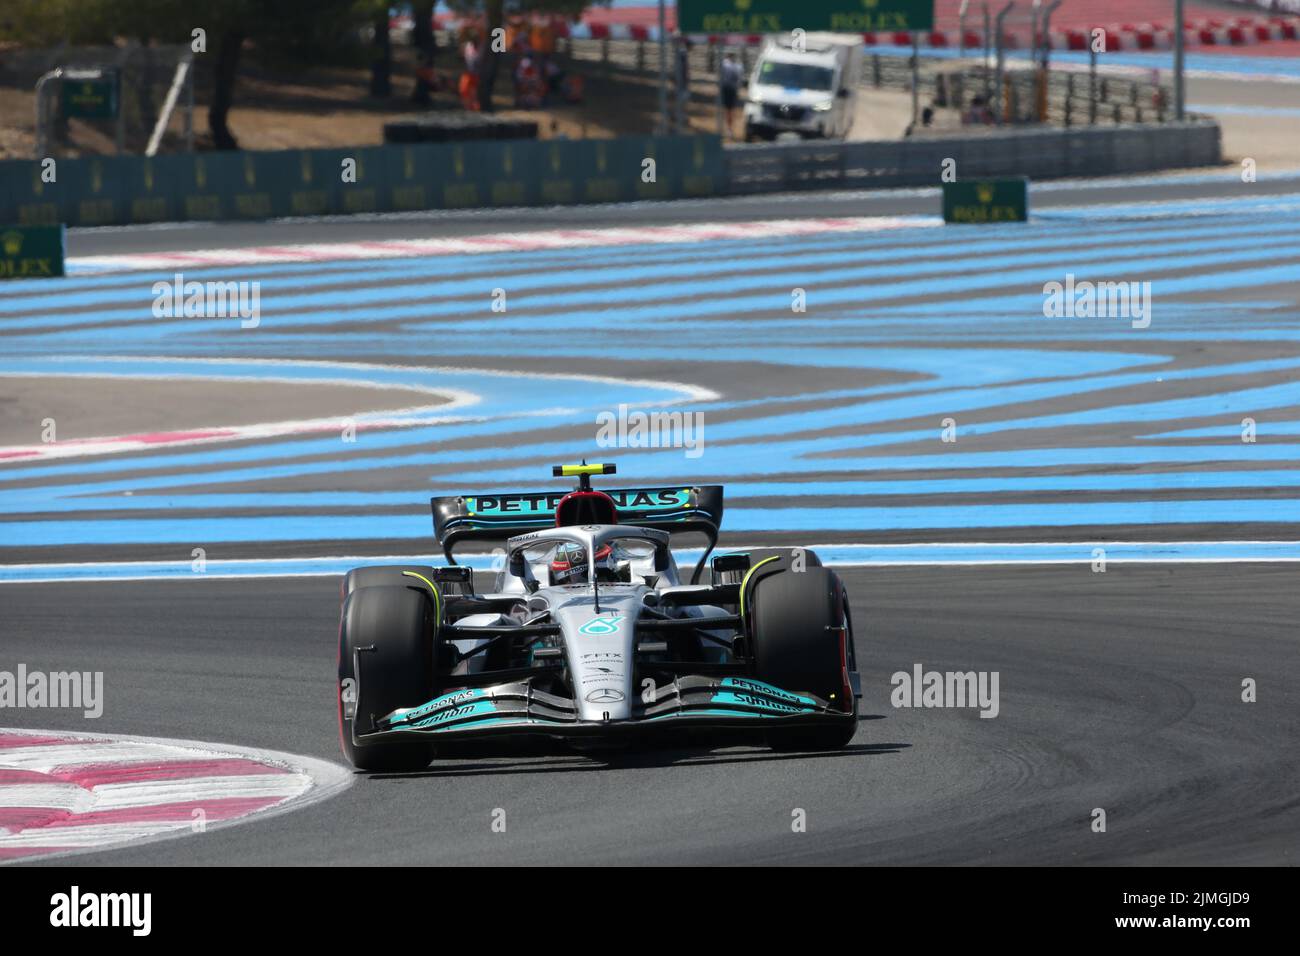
296 782
56 796
863 563
117 796
1123 39
901 554
1082 559
495 242
401 417
217 434
94 836
48 757
369 558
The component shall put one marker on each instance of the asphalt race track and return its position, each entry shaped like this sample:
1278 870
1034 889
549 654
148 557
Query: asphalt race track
1079 443
1128 701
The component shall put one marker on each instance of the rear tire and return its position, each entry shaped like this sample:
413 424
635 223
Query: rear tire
795 627
399 623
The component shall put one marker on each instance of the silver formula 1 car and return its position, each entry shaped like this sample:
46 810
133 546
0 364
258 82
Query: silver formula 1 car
589 633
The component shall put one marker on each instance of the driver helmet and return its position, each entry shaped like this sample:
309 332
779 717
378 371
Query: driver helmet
569 563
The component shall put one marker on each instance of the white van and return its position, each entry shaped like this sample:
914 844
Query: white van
810 89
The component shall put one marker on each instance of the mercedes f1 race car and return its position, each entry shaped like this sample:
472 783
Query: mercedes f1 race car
590 635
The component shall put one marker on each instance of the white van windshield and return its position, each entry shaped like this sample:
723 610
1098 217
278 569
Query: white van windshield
795 76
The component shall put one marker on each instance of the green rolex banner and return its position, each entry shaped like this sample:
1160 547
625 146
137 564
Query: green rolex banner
31 252
781 16
986 200
91 97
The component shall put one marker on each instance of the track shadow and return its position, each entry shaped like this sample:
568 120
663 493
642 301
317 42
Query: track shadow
639 760
547 757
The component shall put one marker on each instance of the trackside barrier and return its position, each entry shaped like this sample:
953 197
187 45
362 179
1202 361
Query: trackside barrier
117 190
1035 153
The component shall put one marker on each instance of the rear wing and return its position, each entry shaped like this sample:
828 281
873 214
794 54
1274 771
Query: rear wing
498 516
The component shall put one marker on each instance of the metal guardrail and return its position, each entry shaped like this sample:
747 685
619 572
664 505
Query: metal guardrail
1073 98
1039 153
640 57
1070 97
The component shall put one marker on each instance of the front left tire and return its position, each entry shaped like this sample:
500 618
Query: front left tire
394 631
801 640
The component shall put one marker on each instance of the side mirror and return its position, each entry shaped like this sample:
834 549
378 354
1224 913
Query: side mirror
518 568
518 565
843 93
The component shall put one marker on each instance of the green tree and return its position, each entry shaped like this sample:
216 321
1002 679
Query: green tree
302 30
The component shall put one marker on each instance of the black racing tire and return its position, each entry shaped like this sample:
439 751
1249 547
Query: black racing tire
384 575
795 620
785 558
400 624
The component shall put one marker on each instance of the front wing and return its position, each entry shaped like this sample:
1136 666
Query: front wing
519 709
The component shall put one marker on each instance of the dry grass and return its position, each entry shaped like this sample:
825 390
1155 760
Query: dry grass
279 109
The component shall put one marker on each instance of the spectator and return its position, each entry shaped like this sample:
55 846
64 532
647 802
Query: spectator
730 78
542 38
573 88
468 90
554 77
978 114
683 81
529 87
